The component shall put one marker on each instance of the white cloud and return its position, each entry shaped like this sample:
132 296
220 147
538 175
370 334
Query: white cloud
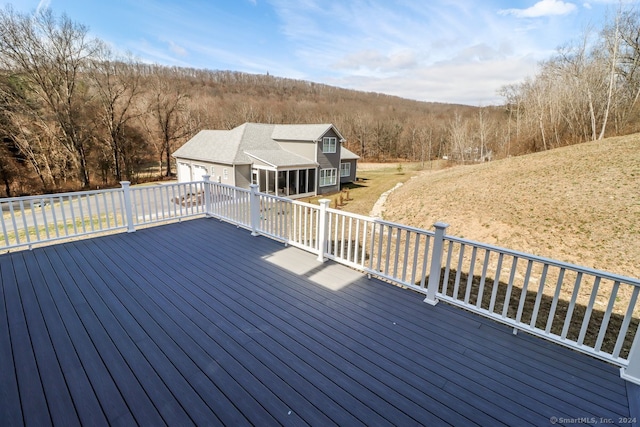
43 4
178 50
373 59
542 8
454 81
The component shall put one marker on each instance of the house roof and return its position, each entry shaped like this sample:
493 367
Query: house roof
348 155
309 132
254 140
280 158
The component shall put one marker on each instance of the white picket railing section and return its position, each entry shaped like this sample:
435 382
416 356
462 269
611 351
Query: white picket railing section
585 309
27 221
592 311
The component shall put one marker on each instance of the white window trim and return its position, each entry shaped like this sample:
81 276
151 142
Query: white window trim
330 174
225 174
345 171
329 144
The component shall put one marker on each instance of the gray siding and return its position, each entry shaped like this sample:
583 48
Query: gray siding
352 175
301 148
243 176
329 161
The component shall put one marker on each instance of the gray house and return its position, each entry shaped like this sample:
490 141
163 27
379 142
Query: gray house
286 160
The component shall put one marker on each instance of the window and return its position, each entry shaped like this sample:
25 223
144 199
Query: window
329 144
328 177
225 174
213 171
345 169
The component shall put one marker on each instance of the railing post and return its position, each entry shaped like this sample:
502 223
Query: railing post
128 208
207 195
436 263
631 372
322 228
254 209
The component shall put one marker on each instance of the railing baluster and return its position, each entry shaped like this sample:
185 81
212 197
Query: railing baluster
4 226
447 270
536 308
607 316
470 277
554 303
397 252
363 248
24 222
414 264
405 259
587 314
425 258
34 218
483 277
12 214
357 242
507 296
456 283
380 240
372 245
389 234
73 214
349 241
572 305
523 292
625 324
496 283
342 227
63 214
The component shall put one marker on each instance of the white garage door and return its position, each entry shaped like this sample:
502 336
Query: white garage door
184 172
199 172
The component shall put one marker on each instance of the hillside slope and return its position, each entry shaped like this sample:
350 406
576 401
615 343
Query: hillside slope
578 204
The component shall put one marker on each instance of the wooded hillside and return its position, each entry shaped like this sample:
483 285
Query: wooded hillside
73 114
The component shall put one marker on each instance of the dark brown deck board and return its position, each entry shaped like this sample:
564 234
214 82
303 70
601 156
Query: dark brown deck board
192 323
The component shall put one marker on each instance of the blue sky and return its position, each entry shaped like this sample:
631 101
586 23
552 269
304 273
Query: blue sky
454 51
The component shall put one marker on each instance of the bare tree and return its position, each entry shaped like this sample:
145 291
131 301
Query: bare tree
612 42
459 137
50 54
117 83
168 113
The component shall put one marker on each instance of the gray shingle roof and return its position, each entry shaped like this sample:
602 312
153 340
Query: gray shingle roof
348 155
260 140
312 132
281 158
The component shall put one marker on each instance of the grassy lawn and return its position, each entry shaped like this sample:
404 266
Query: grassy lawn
373 180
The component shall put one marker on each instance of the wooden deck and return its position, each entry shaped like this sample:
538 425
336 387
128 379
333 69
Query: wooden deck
201 323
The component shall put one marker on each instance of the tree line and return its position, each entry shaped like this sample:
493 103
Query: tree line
588 90
74 114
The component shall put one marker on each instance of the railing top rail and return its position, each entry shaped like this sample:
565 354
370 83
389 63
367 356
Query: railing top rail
574 267
381 221
219 184
295 202
56 195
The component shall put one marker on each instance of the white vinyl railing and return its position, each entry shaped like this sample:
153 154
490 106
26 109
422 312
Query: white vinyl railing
27 221
591 311
585 309
158 203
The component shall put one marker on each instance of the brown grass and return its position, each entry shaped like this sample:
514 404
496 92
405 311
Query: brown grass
578 204
373 180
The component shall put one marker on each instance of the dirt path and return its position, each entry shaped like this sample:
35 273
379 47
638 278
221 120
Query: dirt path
378 207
